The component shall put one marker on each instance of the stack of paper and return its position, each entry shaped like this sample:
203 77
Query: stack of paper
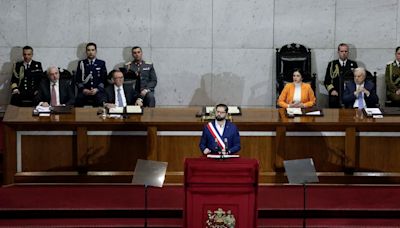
132 109
42 109
233 110
314 113
294 111
373 111
223 156
116 110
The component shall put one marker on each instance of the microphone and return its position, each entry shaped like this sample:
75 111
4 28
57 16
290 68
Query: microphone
216 146
226 145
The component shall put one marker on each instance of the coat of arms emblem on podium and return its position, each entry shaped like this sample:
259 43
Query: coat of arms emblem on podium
220 219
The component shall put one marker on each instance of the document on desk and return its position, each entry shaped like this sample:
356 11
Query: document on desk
294 111
42 109
222 156
133 109
314 113
373 111
116 110
233 110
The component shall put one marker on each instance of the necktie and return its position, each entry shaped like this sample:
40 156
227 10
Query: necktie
360 101
119 97
53 101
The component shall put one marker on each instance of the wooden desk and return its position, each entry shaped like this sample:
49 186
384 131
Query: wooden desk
82 147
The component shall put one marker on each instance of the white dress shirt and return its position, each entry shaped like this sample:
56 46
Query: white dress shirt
355 105
342 63
297 93
220 129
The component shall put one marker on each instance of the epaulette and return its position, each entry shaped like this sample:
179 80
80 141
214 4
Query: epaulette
390 62
128 63
148 62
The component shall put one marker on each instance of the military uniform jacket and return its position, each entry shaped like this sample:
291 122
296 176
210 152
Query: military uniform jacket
90 76
26 80
334 71
147 74
392 78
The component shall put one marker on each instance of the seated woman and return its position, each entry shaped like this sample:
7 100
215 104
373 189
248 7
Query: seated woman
392 78
297 94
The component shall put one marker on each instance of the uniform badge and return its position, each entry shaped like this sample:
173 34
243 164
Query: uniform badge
220 219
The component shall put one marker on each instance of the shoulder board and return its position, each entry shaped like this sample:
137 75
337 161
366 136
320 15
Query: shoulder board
148 62
128 63
390 62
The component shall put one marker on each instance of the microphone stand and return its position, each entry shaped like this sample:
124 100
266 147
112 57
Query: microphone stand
304 205
145 205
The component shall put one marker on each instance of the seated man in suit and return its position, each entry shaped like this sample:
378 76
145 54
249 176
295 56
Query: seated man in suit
119 94
53 91
360 93
220 136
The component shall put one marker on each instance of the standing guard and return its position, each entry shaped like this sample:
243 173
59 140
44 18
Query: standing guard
91 76
25 79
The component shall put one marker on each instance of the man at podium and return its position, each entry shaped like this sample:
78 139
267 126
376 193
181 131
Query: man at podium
220 136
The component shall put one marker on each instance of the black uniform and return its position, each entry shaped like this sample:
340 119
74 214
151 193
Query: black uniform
148 80
26 79
334 74
90 76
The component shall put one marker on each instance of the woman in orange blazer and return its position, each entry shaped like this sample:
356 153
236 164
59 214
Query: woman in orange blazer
297 94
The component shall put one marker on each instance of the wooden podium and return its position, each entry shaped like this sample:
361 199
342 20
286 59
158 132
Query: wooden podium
221 192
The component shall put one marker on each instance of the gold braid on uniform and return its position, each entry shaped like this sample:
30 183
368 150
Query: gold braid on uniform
395 82
19 76
333 74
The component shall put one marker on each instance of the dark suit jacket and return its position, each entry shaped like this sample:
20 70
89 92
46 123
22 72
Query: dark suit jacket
66 92
348 96
130 94
231 133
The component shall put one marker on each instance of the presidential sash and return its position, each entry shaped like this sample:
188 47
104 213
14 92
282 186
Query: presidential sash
216 136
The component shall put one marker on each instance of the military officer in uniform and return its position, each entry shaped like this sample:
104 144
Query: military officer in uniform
335 73
392 78
25 79
145 75
91 75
